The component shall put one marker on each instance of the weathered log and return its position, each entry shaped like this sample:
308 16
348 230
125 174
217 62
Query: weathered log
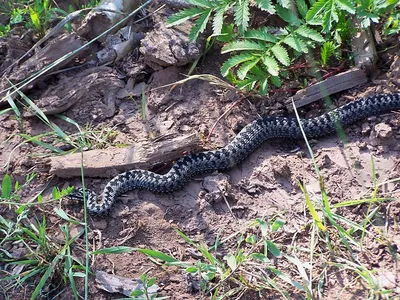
329 86
99 163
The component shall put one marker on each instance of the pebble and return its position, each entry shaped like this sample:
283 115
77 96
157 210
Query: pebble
365 128
101 224
383 130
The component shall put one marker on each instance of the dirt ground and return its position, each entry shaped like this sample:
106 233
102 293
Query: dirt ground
264 186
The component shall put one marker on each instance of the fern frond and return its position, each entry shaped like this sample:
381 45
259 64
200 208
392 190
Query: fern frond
184 15
302 7
242 15
296 43
266 5
289 15
285 3
234 61
310 33
281 54
263 89
276 81
247 84
346 5
242 45
271 64
245 68
260 34
218 20
317 9
200 25
201 3
327 50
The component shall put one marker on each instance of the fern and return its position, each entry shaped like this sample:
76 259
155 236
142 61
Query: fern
242 15
184 15
281 54
235 60
266 5
327 50
324 12
201 24
263 55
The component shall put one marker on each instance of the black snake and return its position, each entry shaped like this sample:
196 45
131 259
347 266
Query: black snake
245 142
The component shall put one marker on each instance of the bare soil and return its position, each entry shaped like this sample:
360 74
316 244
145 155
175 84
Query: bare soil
264 186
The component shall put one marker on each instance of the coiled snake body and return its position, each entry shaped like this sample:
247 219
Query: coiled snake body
245 142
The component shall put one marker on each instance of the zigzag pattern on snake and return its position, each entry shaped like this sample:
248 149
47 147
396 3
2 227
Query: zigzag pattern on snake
245 142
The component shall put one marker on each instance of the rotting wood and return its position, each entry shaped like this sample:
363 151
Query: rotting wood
56 49
103 163
363 47
329 86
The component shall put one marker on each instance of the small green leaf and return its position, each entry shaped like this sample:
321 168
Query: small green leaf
260 34
288 15
266 5
310 33
136 293
35 19
191 269
201 3
260 257
263 226
278 223
246 67
242 15
218 20
184 15
243 45
302 8
346 5
276 81
273 248
201 24
114 250
252 239
21 209
151 282
263 89
231 261
296 43
158 255
281 54
6 187
271 64
234 61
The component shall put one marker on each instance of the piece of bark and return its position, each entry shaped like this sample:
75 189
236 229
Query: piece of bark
169 46
102 18
81 87
103 163
329 86
363 47
56 49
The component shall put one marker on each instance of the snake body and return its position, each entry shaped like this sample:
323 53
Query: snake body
245 142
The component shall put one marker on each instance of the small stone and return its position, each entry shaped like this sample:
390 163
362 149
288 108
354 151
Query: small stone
203 128
101 224
362 145
365 128
383 130
75 230
186 128
137 90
